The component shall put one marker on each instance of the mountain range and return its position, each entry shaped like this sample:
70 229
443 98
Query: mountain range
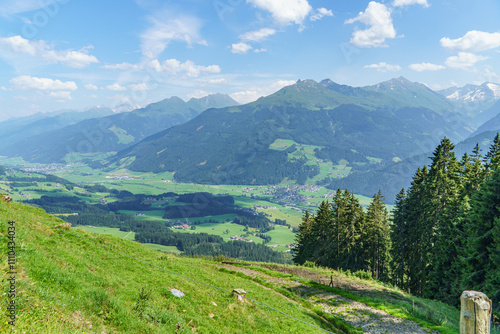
387 122
298 134
110 133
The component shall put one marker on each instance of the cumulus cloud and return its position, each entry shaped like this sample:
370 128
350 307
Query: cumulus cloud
13 47
378 17
122 66
198 94
260 50
174 66
384 67
472 41
426 67
400 3
8 7
219 81
27 82
91 87
258 35
254 93
321 13
61 95
165 28
285 11
140 86
240 48
464 60
116 87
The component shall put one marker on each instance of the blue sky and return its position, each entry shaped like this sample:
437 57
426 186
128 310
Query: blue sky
73 54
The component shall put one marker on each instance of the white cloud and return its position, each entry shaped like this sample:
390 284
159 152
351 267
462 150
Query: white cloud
320 13
198 94
378 17
258 35
472 41
254 93
91 87
119 98
122 66
8 7
285 11
27 82
384 67
426 67
240 48
13 47
116 87
464 60
260 50
174 66
166 28
140 86
219 81
400 3
63 95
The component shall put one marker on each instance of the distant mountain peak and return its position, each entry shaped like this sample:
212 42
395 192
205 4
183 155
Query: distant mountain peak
484 93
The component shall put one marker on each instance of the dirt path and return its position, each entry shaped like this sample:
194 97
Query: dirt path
370 320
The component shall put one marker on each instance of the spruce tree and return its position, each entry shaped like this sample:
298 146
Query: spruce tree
442 222
492 158
377 238
400 238
304 240
482 263
418 236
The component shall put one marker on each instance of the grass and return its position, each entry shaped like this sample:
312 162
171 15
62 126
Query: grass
70 284
430 314
221 229
108 230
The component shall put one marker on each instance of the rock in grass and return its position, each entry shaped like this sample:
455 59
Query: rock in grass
177 293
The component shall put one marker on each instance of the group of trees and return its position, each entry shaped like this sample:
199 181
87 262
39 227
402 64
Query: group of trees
342 236
443 236
446 227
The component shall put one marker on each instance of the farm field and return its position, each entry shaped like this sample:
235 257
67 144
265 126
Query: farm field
222 229
109 230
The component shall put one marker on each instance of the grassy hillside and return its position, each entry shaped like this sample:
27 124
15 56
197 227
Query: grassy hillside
70 281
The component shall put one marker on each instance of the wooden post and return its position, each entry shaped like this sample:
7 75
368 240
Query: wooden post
475 313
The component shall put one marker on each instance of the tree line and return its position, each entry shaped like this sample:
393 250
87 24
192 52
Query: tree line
443 236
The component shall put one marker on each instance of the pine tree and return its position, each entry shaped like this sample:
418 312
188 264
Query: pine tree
304 239
400 239
418 236
482 264
377 238
442 222
492 158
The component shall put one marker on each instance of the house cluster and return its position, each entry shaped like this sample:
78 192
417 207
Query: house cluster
46 169
120 177
139 214
235 237
102 201
257 206
181 227
292 246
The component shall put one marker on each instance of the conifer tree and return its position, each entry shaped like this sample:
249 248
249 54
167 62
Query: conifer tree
418 237
492 158
304 240
400 238
482 264
442 222
377 238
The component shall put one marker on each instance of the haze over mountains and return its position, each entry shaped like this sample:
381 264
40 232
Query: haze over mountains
383 132
113 132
